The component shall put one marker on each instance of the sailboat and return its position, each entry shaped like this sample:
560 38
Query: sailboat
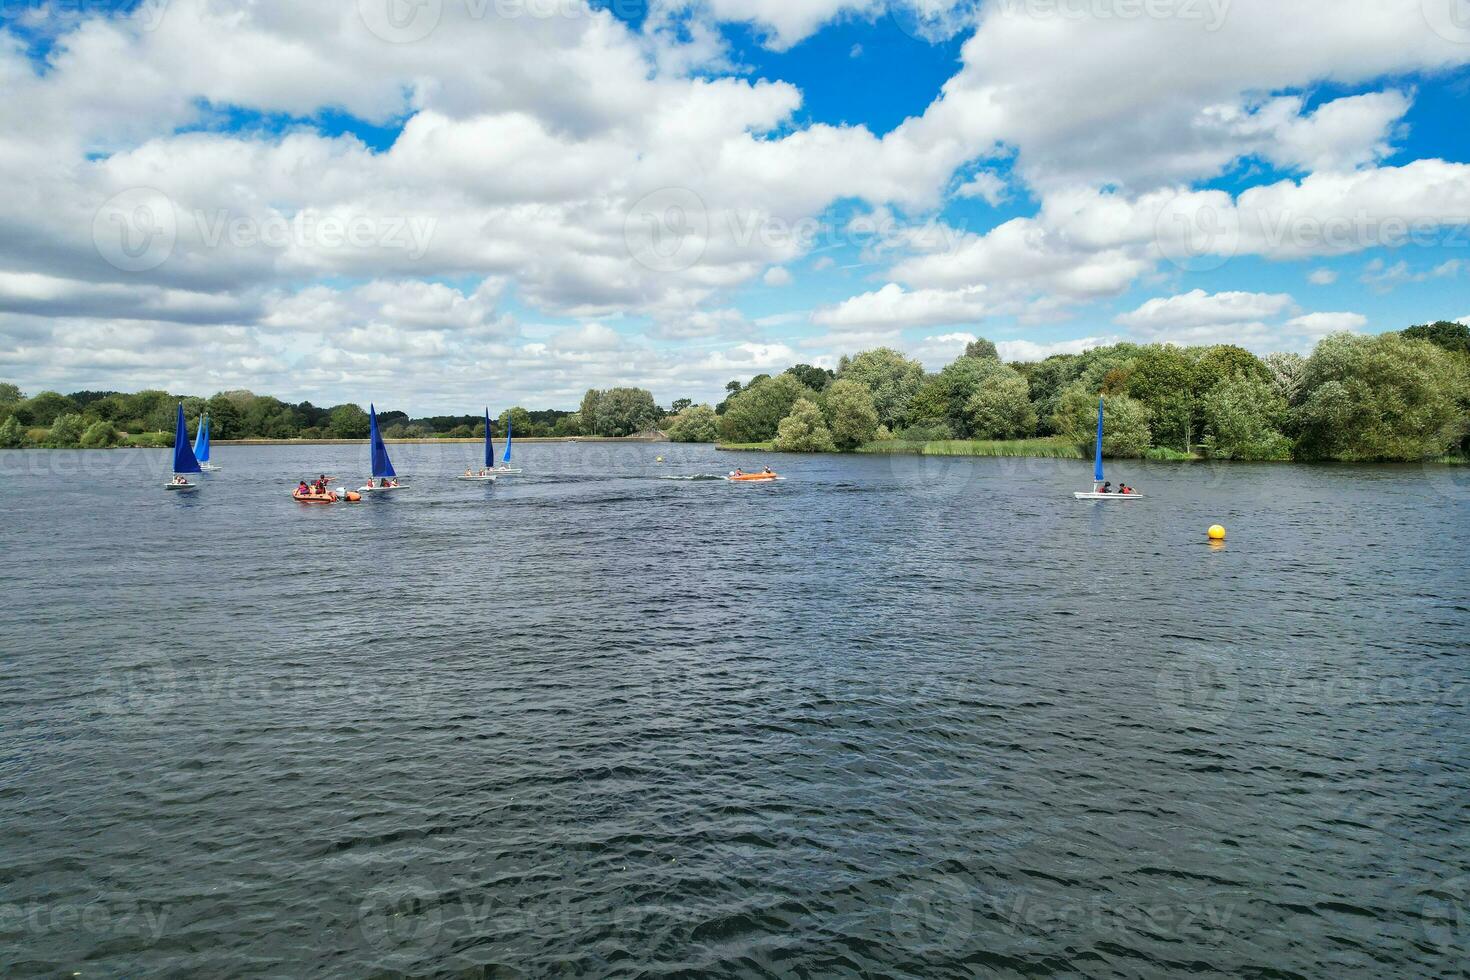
382 465
201 445
486 473
184 461
505 466
1097 468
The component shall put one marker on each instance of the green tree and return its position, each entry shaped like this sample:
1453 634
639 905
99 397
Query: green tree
226 420
518 418
697 423
347 422
1380 398
1125 432
754 414
624 411
1288 371
804 430
680 404
1167 379
12 436
1001 407
851 415
943 396
890 378
815 378
1243 418
43 409
100 435
588 410
567 425
10 394
1453 337
982 348
66 431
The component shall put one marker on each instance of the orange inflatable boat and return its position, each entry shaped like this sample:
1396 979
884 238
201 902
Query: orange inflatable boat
314 498
752 478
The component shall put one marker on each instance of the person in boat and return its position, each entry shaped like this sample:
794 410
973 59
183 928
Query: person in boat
768 471
737 472
1124 488
1106 487
303 488
180 481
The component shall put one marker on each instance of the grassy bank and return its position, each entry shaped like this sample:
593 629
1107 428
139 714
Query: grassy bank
1049 447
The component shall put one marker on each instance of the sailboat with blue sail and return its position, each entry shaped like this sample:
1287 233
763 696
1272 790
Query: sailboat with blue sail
505 466
486 473
1097 492
383 472
184 461
201 444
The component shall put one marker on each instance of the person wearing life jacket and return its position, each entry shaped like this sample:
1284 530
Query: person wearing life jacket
1107 487
303 488
737 472
1124 488
769 470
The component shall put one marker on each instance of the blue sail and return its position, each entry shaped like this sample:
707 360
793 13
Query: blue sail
382 465
184 461
489 442
1097 470
201 440
506 457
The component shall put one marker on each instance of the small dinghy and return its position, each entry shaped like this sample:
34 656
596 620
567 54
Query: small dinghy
486 473
504 469
752 477
184 461
201 445
382 466
1096 493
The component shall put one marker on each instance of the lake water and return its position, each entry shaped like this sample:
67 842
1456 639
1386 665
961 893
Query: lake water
890 716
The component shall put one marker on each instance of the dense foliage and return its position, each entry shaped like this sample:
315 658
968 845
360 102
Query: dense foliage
1394 396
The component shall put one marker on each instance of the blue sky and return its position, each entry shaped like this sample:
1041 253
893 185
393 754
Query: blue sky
428 201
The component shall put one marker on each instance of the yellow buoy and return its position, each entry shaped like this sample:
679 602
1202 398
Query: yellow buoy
1217 533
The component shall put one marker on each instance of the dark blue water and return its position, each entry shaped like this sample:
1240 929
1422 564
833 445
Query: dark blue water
892 717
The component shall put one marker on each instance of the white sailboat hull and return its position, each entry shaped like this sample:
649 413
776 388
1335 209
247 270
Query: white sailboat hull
181 486
1107 496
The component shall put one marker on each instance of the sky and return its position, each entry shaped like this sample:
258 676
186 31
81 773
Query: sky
439 204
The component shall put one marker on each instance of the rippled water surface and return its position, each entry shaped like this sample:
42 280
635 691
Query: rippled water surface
887 717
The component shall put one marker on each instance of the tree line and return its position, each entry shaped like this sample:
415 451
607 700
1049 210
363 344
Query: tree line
1394 396
98 419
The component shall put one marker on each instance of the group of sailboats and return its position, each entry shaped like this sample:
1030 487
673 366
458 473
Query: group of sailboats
490 471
